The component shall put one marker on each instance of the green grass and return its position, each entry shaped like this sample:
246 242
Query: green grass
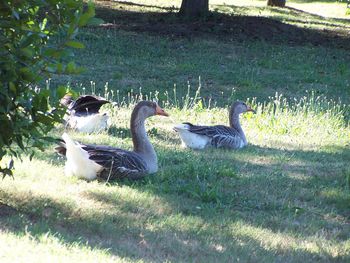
255 65
126 62
284 198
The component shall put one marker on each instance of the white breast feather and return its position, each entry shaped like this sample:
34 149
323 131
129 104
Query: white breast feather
78 162
190 139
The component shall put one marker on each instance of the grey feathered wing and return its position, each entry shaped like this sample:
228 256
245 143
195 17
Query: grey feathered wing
221 136
117 163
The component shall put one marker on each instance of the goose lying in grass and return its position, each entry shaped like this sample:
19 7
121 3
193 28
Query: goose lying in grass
92 161
84 115
219 136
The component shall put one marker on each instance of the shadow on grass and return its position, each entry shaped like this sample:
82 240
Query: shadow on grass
199 197
130 3
223 26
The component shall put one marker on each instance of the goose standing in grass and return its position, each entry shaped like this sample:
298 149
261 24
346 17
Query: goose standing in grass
219 136
92 161
84 115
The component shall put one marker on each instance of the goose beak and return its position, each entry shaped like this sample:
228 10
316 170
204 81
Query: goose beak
250 109
160 111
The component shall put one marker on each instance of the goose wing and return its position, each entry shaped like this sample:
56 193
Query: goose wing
227 141
212 131
87 104
117 163
222 136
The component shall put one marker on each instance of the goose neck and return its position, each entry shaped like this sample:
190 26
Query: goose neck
142 144
234 123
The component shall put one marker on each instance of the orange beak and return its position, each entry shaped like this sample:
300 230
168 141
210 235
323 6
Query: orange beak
160 111
250 109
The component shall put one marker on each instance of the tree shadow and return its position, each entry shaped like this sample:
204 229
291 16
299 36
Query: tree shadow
163 8
223 26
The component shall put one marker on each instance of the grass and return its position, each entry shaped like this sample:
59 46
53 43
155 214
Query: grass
284 198
126 62
257 63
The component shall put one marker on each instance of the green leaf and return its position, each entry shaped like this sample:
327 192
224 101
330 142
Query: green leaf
13 87
43 24
74 44
54 53
59 68
27 52
19 142
27 74
70 67
94 21
29 39
61 91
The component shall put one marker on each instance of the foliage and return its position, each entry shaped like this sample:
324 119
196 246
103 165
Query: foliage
27 55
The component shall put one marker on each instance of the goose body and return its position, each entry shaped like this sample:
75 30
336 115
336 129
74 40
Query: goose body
91 161
219 136
84 115
190 139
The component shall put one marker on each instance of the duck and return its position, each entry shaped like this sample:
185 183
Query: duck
89 161
83 113
219 136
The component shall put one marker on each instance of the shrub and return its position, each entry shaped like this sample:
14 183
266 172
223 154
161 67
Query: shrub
28 55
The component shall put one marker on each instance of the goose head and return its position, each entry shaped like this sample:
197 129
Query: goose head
145 109
239 107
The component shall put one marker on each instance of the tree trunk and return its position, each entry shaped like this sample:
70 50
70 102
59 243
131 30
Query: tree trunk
280 3
194 8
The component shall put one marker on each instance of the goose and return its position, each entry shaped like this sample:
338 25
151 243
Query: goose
84 115
97 161
219 136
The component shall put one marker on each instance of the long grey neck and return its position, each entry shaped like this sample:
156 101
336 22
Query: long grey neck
234 123
142 145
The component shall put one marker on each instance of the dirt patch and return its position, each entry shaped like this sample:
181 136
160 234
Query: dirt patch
229 27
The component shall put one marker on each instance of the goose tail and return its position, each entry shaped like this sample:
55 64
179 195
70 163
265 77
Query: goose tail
78 162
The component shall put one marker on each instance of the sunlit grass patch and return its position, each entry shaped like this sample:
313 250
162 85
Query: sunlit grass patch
50 247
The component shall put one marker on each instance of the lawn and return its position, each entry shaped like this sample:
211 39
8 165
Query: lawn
284 198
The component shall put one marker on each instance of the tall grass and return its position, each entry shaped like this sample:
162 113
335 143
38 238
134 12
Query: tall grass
311 121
